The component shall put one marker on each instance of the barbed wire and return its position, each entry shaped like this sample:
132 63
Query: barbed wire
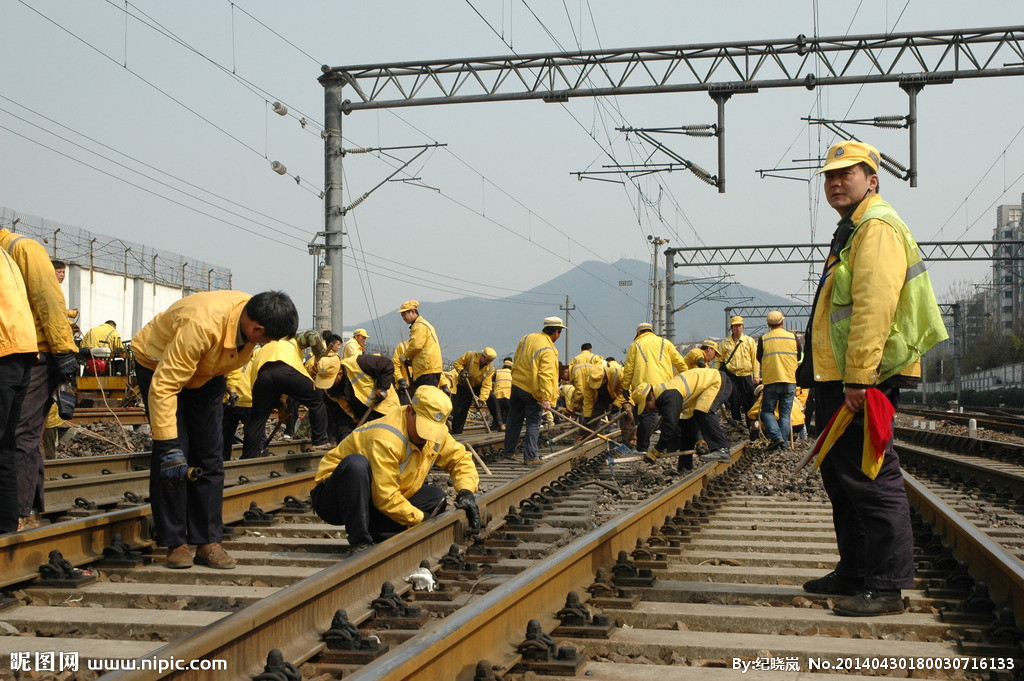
78 246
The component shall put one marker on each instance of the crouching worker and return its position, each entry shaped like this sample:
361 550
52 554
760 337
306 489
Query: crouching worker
689 401
373 482
356 384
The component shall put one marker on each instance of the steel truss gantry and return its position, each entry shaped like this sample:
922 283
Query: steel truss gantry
911 59
781 254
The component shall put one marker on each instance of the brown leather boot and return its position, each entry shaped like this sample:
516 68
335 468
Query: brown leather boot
213 555
179 557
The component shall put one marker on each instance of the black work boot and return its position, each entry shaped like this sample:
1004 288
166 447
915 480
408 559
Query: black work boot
833 585
870 603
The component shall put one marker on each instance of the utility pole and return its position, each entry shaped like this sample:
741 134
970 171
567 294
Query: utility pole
657 313
334 228
567 308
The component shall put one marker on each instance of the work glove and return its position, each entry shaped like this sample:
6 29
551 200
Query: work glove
313 340
467 502
232 399
67 366
403 385
174 468
463 376
702 363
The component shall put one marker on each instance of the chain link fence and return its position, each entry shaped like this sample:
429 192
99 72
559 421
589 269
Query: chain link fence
81 247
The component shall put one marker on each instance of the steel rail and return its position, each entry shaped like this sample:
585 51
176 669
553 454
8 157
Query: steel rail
293 619
988 561
82 540
974 471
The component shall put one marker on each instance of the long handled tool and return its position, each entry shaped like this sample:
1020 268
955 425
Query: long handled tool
604 426
476 401
371 407
618 448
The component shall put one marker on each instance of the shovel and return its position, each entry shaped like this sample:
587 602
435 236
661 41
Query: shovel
479 406
616 447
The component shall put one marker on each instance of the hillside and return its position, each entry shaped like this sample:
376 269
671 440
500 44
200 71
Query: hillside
605 315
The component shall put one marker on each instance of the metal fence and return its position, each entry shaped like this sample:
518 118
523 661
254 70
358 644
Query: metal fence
116 256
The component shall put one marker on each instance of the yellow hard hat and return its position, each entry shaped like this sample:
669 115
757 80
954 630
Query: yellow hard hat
850 153
736 320
409 305
361 332
710 344
775 317
490 353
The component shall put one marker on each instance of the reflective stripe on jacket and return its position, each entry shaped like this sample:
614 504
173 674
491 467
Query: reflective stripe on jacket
398 468
502 384
780 353
650 359
699 387
364 382
881 314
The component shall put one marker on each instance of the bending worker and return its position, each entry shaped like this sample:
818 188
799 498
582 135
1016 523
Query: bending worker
689 402
356 384
476 377
373 483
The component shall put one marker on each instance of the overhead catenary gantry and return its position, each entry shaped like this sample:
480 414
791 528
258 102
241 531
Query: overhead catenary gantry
911 59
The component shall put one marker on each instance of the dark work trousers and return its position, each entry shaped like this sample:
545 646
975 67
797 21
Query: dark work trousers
191 512
669 404
43 379
462 400
742 398
871 517
522 407
345 499
15 371
276 379
232 417
498 406
424 379
291 406
645 425
342 424
706 425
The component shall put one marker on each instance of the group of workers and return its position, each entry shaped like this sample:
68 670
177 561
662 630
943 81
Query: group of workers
390 416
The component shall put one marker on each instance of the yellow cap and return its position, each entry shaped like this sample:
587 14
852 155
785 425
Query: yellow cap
490 353
327 371
736 320
850 153
775 317
361 332
553 321
639 396
432 408
409 305
710 344
644 326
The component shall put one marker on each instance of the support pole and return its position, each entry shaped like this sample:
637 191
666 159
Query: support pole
957 349
912 89
720 99
334 227
670 296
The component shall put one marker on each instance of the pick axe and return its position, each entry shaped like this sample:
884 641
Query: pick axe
617 447
479 405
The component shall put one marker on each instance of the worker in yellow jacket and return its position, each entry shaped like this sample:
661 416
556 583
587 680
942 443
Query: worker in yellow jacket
374 482
423 349
18 351
356 345
355 385
181 357
534 388
579 372
402 377
497 402
688 404
278 369
57 363
237 405
103 336
703 356
476 377
738 353
650 359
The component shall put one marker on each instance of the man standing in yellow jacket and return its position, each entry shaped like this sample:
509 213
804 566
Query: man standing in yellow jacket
874 315
374 482
356 345
422 350
18 351
650 359
778 352
181 357
738 353
497 402
57 363
534 388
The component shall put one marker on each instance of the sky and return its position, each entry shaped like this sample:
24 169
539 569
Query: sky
153 121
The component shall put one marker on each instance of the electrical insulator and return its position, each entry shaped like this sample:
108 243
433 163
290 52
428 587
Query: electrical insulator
278 167
279 108
894 163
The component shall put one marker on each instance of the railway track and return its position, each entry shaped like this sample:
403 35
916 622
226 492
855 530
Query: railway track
726 590
992 420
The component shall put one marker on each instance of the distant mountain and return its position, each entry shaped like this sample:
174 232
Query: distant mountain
605 315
